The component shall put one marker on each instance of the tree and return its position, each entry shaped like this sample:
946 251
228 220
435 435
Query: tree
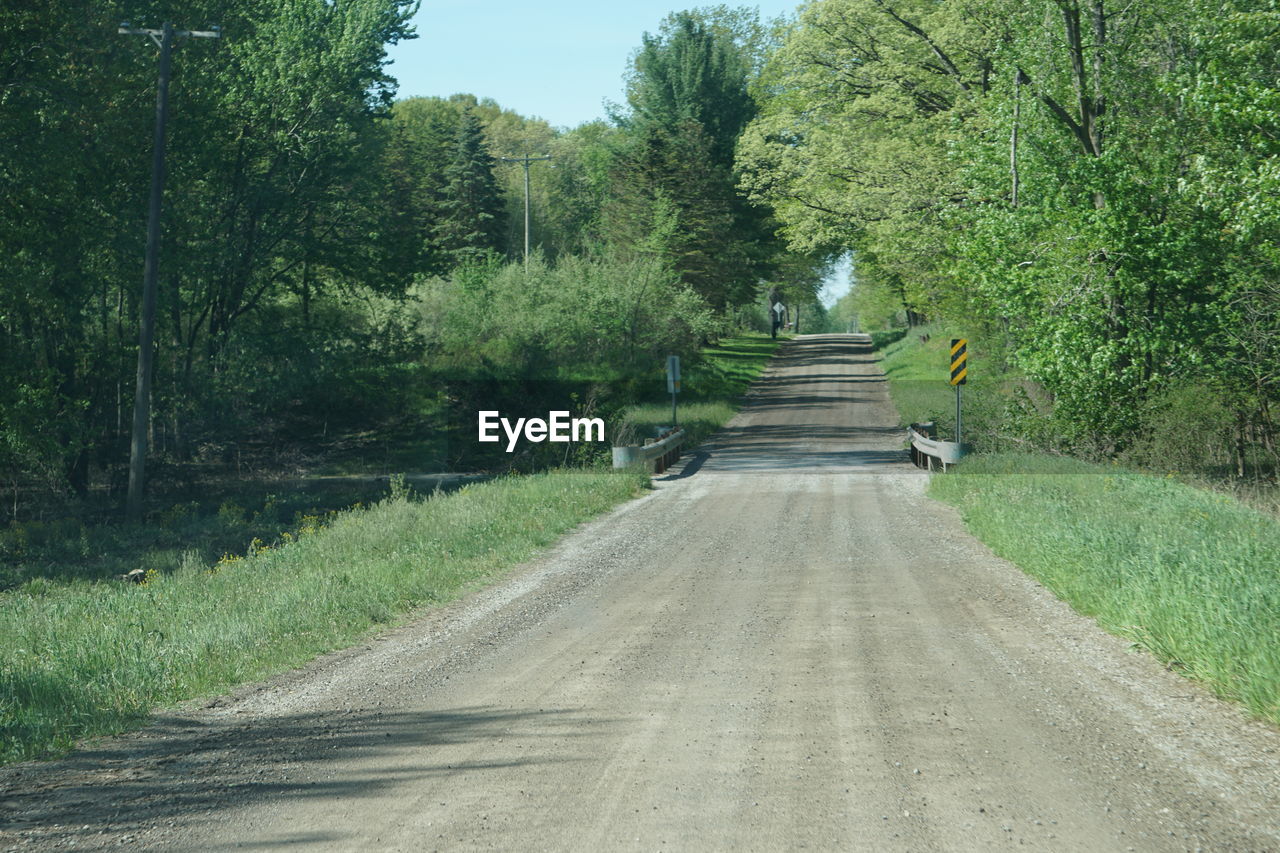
268 186
692 74
1011 166
671 200
578 183
674 176
422 137
860 103
472 213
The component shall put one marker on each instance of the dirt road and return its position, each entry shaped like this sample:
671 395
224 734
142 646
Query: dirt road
786 645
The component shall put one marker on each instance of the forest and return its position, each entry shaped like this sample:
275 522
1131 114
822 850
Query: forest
340 267
1087 190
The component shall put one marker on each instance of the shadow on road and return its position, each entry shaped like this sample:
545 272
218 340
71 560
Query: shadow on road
824 405
188 773
696 461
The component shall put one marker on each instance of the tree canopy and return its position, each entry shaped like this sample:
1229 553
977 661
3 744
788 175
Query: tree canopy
1087 187
1088 183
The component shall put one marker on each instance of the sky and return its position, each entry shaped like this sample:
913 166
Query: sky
559 60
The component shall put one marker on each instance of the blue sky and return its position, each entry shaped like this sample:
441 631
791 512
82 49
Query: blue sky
557 59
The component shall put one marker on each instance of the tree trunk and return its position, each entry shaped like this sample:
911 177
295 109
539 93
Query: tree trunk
1240 448
77 473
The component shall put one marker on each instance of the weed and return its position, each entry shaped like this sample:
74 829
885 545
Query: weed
398 489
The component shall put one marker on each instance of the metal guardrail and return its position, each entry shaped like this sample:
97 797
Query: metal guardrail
655 454
927 451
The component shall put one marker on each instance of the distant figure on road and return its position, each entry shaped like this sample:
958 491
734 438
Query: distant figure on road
776 310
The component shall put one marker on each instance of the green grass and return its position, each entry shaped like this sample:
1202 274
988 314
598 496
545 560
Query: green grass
881 338
82 654
1191 575
711 390
79 548
919 373
80 659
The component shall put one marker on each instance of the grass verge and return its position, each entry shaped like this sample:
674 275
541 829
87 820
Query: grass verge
80 659
711 390
1188 574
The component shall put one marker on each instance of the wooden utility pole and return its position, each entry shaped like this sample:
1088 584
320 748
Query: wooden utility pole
147 323
525 161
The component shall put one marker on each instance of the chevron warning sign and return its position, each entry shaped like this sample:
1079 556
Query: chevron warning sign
959 361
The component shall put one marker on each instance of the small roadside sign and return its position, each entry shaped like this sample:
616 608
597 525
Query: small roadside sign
959 361
959 373
779 309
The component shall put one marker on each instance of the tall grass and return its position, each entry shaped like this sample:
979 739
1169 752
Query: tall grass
84 658
1192 575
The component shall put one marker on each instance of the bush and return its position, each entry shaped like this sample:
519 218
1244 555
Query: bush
593 318
1186 428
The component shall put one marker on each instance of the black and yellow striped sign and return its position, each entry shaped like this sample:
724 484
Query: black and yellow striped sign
959 361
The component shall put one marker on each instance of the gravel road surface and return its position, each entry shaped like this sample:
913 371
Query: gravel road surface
786 645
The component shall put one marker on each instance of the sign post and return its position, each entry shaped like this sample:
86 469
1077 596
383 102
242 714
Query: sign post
959 373
673 384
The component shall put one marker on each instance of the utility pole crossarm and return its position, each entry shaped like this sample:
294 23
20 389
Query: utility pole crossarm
214 33
525 159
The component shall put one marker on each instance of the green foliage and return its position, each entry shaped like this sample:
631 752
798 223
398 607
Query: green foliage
571 219
692 74
673 202
580 334
1188 574
1098 210
303 206
997 407
578 317
882 338
83 549
1088 189
422 139
674 189
1187 427
471 222
268 198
